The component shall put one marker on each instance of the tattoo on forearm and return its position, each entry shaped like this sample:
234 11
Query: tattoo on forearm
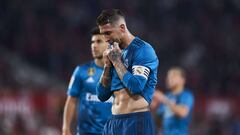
106 77
121 69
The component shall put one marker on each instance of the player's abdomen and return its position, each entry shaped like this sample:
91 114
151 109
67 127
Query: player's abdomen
125 103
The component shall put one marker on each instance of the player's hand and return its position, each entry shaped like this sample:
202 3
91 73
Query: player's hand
155 101
106 60
115 53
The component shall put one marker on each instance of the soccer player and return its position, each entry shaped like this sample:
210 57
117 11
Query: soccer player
130 74
82 96
177 105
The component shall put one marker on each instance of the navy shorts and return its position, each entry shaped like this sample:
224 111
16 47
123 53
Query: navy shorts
140 123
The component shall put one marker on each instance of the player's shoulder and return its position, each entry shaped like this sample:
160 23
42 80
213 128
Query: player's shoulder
144 49
83 67
86 65
141 44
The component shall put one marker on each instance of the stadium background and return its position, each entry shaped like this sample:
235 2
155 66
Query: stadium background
41 41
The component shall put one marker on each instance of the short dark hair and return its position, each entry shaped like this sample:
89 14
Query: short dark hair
95 31
181 70
109 16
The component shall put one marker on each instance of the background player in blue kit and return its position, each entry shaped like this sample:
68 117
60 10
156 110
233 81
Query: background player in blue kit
177 105
82 96
130 74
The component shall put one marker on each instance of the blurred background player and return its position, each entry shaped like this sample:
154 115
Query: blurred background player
92 113
130 73
176 106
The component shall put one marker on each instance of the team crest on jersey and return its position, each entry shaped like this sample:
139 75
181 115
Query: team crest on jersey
91 71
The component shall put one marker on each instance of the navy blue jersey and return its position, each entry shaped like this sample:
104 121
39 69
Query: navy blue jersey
141 61
173 125
92 113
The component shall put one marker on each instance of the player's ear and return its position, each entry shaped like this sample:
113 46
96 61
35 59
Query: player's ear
122 27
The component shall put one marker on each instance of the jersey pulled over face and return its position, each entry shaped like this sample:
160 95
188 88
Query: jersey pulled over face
92 113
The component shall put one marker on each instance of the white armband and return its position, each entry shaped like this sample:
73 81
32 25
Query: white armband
141 71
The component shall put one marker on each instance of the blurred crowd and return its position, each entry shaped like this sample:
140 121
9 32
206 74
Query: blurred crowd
202 36
30 112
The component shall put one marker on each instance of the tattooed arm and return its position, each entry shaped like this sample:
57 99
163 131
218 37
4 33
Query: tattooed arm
114 56
106 78
104 86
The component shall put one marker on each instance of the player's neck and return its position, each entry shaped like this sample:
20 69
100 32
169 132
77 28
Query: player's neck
128 39
99 62
177 90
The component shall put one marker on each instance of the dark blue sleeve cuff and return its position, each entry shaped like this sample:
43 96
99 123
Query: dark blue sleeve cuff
103 93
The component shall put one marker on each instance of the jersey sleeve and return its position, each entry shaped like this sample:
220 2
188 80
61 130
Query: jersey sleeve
187 99
145 62
146 58
75 83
